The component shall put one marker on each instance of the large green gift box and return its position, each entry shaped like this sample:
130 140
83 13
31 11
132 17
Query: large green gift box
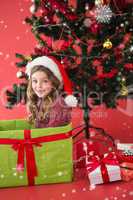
30 156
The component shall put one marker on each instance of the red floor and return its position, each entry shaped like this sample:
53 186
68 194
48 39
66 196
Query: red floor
76 190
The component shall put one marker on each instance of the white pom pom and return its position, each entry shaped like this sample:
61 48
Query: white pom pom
71 101
87 22
32 9
19 74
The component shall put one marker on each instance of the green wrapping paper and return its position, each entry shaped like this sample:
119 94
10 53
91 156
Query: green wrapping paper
53 159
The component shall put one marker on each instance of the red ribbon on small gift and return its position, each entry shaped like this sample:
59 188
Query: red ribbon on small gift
96 161
25 147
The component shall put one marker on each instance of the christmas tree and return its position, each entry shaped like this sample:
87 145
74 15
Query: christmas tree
91 38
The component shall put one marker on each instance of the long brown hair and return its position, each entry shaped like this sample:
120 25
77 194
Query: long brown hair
32 98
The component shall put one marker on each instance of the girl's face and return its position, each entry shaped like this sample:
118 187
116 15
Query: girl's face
41 85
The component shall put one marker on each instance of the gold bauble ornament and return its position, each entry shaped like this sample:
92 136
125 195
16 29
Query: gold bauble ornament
124 89
107 44
102 2
29 58
98 2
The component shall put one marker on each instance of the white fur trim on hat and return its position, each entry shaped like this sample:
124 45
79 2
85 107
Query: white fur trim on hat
47 63
71 101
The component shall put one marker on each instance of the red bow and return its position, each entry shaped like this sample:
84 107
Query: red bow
26 146
96 161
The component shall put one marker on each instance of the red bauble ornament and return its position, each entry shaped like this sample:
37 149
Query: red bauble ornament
99 70
95 28
42 51
72 3
127 38
121 46
129 66
96 63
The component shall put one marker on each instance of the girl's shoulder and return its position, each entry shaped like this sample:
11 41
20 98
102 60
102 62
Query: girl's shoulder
60 102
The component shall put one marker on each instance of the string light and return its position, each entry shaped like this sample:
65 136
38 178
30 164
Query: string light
86 6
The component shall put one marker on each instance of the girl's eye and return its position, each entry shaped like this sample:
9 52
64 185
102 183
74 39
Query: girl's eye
34 81
45 81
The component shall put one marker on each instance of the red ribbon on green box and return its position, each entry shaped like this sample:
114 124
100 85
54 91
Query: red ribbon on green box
102 161
25 147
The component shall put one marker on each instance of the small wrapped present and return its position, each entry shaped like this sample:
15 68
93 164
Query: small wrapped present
125 152
125 146
103 169
84 149
31 156
126 171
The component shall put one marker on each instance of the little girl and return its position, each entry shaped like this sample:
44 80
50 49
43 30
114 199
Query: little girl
45 103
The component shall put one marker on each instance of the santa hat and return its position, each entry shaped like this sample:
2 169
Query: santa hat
58 70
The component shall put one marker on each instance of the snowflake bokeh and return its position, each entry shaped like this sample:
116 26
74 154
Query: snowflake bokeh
103 13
